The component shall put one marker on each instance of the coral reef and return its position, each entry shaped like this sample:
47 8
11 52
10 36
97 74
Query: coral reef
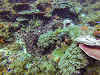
37 37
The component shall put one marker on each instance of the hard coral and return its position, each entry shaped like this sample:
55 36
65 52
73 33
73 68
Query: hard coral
72 61
46 39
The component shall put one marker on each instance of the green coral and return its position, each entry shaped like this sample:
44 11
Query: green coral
46 39
72 60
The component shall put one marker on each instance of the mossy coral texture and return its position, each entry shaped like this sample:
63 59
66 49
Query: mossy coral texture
72 61
46 39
